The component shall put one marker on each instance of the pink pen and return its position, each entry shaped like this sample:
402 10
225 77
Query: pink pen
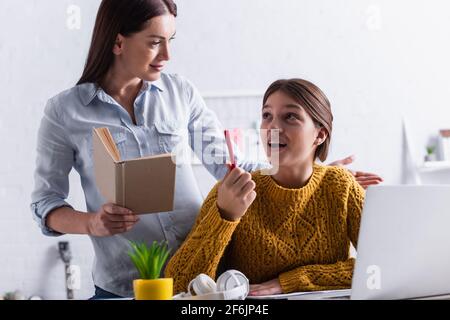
230 149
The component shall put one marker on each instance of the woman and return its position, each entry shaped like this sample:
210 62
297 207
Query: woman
290 231
148 112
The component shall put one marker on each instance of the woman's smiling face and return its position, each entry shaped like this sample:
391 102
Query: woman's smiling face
144 54
298 135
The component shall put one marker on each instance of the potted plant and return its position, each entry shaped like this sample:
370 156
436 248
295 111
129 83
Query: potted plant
431 155
149 262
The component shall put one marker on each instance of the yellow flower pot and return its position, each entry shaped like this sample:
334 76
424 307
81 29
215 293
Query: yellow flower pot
157 289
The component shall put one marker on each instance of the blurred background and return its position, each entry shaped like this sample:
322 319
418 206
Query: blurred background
383 64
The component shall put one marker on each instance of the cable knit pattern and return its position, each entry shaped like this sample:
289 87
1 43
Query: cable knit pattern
300 236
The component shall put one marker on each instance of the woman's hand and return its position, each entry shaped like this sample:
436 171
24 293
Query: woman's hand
111 220
266 288
365 179
236 193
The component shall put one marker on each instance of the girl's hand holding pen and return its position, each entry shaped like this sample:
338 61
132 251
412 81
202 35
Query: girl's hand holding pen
236 193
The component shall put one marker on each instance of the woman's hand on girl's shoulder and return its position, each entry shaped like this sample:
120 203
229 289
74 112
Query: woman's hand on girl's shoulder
365 179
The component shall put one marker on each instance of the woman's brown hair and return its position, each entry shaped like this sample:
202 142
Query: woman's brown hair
115 17
313 101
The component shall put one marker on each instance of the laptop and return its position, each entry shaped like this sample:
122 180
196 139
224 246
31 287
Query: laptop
403 247
404 244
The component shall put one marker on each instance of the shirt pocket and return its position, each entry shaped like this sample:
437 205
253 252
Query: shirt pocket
171 136
120 139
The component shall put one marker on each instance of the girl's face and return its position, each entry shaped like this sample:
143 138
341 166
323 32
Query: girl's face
144 54
299 137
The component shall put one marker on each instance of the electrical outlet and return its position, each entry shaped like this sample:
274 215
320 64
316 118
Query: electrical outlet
74 280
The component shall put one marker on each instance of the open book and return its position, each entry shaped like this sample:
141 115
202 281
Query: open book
143 185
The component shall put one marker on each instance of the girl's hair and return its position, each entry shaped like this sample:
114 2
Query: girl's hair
115 17
313 101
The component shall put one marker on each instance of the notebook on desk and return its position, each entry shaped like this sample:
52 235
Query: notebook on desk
306 295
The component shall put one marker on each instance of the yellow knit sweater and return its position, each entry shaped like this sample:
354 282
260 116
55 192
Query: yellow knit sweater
300 236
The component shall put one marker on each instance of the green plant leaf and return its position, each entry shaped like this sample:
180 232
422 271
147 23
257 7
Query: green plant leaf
431 150
149 260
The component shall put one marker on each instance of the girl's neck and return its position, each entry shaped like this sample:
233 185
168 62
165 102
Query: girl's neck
294 177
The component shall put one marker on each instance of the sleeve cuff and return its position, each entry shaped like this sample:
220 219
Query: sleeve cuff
213 226
318 277
292 280
42 209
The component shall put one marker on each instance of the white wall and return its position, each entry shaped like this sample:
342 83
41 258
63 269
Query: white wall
376 60
39 56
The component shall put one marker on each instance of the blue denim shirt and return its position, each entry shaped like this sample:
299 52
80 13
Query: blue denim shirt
168 114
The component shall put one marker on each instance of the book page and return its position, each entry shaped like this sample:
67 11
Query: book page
108 141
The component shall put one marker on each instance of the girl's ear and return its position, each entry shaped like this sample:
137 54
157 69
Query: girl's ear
321 136
118 45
